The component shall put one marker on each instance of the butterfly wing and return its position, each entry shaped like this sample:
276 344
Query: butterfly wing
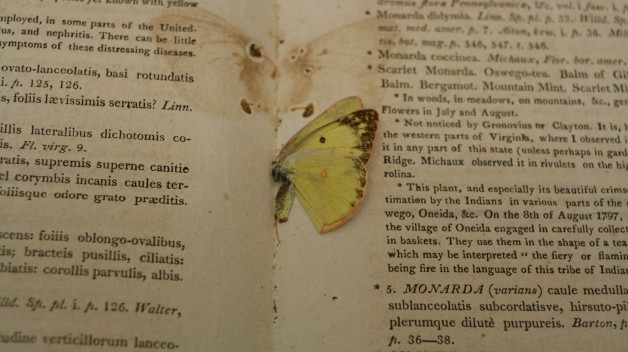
311 72
327 167
329 185
229 67
338 110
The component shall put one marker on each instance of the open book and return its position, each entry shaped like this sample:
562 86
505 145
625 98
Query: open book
140 142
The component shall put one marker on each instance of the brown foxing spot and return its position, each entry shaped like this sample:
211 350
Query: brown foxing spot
255 50
246 106
309 110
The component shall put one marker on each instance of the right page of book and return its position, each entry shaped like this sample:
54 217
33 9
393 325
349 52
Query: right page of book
495 212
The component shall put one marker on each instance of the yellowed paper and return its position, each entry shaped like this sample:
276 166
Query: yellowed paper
133 214
495 210
136 198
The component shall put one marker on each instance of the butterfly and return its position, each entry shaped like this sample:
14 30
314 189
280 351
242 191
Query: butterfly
237 74
324 165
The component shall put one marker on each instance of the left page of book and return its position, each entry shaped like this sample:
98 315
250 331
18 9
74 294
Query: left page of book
135 201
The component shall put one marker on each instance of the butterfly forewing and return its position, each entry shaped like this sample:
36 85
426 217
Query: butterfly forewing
335 112
352 134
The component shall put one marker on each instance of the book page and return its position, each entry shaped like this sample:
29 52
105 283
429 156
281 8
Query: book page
494 216
135 199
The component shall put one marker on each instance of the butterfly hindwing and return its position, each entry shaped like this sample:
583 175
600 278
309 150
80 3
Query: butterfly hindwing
329 185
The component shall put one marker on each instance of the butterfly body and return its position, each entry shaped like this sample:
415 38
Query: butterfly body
324 165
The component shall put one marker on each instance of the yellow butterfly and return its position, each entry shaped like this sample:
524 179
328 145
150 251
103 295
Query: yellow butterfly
324 164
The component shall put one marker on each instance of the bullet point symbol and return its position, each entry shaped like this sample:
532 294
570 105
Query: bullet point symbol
369 67
398 184
368 52
368 12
